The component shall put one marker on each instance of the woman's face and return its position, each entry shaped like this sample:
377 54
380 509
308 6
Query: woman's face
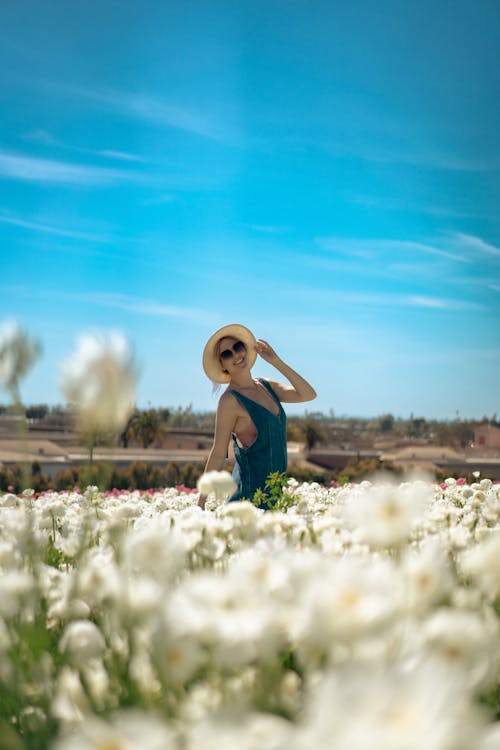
232 354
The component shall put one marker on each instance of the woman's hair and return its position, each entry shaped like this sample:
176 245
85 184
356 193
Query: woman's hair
217 386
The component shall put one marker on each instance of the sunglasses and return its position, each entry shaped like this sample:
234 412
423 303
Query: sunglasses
236 348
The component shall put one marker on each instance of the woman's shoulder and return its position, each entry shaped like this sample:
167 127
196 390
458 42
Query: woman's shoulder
228 400
269 384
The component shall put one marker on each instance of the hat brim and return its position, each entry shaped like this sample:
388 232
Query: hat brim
211 361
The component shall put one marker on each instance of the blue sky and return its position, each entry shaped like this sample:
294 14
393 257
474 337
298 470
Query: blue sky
327 173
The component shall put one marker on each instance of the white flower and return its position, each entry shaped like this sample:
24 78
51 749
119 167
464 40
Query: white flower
98 578
99 380
139 597
385 514
482 564
244 518
67 608
229 615
58 587
82 640
16 590
465 642
428 575
96 681
211 613
10 556
349 599
246 731
491 738
459 537
154 551
177 659
70 703
9 500
126 730
18 353
220 483
127 510
389 709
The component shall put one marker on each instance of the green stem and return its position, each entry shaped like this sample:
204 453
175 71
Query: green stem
23 437
91 456
90 466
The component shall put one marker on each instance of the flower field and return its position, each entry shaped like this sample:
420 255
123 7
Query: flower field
357 617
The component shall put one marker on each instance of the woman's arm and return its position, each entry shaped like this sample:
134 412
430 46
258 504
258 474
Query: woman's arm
225 420
299 389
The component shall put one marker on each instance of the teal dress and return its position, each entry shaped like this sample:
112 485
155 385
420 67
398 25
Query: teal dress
267 453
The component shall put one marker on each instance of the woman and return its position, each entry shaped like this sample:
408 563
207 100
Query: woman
250 410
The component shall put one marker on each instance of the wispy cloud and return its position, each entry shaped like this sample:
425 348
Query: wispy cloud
324 297
409 300
354 127
146 306
33 169
344 246
419 247
118 155
158 200
441 159
372 146
125 302
153 109
411 270
53 230
469 241
46 139
266 228
487 281
164 113
41 136
402 204
371 248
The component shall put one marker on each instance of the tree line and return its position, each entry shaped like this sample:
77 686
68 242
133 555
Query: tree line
149 427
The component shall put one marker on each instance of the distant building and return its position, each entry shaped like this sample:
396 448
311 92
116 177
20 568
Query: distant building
335 458
487 436
427 458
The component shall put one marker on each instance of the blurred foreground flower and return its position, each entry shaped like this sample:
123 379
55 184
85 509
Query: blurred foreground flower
220 483
18 353
82 640
99 380
127 729
131 620
384 513
395 710
482 564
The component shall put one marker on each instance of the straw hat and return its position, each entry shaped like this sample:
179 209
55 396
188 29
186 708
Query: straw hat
211 361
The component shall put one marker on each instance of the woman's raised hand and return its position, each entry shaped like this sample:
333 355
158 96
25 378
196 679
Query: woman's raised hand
266 351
